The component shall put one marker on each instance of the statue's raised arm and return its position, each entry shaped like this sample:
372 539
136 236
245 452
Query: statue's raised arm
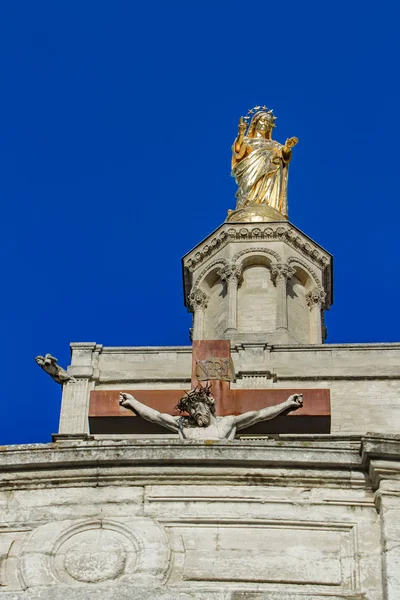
265 414
147 413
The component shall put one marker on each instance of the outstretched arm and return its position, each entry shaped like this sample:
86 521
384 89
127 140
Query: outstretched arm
265 414
154 416
287 149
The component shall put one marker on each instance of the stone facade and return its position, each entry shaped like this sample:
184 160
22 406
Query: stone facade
283 519
363 379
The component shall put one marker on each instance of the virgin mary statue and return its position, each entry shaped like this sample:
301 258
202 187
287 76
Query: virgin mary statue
260 168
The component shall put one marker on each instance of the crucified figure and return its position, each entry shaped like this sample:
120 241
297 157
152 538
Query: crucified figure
201 422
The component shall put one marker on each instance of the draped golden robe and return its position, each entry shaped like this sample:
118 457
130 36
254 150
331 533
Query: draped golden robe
262 175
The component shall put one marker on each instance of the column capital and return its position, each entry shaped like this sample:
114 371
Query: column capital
198 300
315 298
281 272
231 273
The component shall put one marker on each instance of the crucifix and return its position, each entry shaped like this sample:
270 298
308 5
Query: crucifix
212 409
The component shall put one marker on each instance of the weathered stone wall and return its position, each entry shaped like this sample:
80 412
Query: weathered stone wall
364 379
282 519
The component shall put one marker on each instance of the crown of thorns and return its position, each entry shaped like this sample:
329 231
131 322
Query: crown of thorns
198 394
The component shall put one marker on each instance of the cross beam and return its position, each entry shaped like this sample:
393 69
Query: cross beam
107 417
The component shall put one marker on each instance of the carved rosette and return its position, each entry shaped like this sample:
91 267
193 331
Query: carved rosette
315 298
280 273
232 274
198 300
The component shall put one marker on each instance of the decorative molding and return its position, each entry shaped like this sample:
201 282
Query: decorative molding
306 267
333 546
256 251
208 269
274 231
95 551
255 379
217 242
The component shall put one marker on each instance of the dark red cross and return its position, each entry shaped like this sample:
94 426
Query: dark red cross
106 416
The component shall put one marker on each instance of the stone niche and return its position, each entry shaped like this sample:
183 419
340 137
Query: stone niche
252 283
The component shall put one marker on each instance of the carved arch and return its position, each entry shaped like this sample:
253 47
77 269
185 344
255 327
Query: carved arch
306 267
220 261
256 251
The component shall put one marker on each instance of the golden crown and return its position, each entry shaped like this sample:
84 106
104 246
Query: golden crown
255 109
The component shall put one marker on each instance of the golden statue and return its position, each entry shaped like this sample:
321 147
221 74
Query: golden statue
260 168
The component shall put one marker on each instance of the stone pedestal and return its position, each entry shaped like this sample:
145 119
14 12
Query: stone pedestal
264 282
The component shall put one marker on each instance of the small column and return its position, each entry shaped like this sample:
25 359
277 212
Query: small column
232 275
315 300
280 273
198 301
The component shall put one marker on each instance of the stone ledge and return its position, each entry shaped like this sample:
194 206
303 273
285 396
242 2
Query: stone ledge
315 452
192 462
131 592
378 446
310 460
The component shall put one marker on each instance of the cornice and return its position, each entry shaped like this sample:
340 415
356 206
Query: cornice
380 456
380 447
102 462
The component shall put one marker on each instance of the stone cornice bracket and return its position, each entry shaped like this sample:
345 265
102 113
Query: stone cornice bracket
198 300
315 298
281 272
85 360
381 457
231 274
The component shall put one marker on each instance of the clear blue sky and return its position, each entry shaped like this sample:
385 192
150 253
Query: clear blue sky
116 125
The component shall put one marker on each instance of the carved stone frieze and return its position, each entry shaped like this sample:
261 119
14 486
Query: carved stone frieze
273 231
